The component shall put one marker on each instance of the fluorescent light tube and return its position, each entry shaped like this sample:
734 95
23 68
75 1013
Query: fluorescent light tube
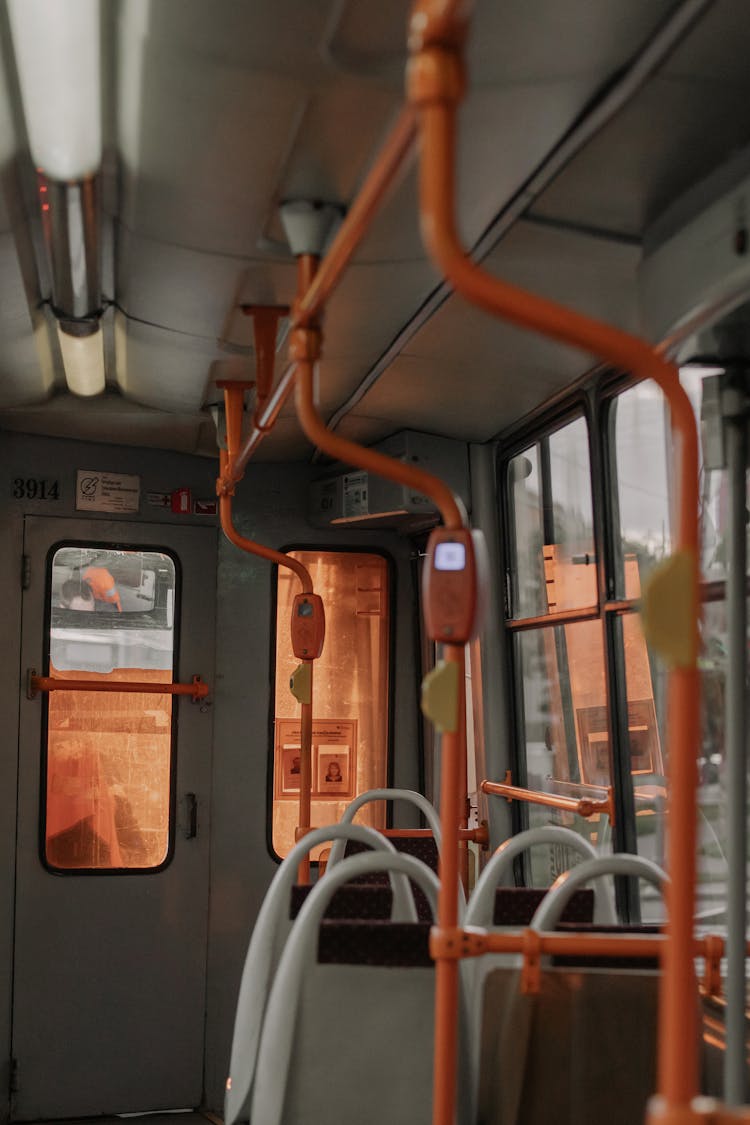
83 360
57 50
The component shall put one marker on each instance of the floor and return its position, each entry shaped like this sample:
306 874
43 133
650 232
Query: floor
159 1117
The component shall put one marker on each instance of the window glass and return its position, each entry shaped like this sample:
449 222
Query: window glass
712 793
524 481
109 754
350 693
565 728
572 512
553 564
643 456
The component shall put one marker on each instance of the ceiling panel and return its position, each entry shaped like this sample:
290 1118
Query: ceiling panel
202 147
470 403
670 137
287 36
682 125
225 108
112 420
161 369
717 49
468 374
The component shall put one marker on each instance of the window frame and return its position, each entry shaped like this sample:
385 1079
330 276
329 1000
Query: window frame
88 872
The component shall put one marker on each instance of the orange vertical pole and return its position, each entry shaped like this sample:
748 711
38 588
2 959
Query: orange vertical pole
305 779
463 783
452 750
436 86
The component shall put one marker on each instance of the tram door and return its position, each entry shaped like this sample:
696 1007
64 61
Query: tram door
112 859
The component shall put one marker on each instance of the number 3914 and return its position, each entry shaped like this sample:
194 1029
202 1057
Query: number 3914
29 488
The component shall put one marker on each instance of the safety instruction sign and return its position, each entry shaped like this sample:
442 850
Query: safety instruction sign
107 492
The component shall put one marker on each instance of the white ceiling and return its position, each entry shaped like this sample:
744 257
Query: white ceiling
216 112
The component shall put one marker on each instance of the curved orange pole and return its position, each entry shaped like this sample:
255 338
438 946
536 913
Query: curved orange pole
436 83
304 350
253 548
233 399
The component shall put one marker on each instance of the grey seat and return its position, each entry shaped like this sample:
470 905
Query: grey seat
269 936
345 1043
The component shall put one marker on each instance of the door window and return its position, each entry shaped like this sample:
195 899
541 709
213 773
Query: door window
350 692
108 754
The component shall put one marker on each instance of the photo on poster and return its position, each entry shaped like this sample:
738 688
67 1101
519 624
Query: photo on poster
290 758
333 772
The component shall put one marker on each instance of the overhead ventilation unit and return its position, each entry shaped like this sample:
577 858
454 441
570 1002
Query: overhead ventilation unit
358 497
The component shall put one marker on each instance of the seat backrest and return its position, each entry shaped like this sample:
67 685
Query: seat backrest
409 796
481 903
354 900
423 848
346 1042
515 907
480 912
549 1056
581 1051
267 941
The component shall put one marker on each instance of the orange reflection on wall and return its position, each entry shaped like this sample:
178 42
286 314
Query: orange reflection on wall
350 692
108 774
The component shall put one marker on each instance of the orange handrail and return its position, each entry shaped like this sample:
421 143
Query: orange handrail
304 349
475 941
581 806
322 282
233 405
478 835
196 689
436 86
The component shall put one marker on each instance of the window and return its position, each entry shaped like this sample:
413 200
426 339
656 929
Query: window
109 754
590 696
645 498
561 689
350 692
553 562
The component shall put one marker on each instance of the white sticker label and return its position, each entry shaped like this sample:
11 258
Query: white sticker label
107 492
355 494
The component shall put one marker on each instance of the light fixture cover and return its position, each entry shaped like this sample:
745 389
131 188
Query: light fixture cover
57 50
83 360
308 226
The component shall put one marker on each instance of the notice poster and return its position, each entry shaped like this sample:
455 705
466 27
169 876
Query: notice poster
107 492
334 758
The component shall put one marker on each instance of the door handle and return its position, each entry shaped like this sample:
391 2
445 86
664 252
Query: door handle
190 825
